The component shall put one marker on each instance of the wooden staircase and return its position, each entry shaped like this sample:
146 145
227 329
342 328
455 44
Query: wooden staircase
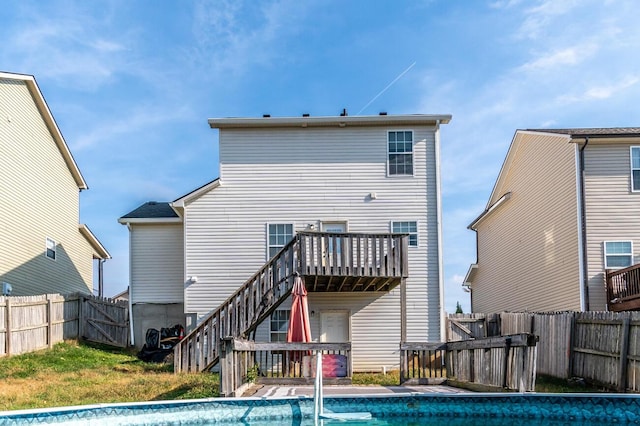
364 262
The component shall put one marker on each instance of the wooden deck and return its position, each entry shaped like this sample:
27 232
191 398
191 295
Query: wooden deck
329 262
623 289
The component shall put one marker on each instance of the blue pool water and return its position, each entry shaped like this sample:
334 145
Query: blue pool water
407 409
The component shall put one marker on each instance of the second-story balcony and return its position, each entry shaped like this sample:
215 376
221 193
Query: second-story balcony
351 262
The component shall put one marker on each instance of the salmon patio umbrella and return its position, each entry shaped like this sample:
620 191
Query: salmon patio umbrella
299 329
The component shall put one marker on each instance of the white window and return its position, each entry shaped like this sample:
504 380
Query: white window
50 249
618 254
408 227
400 152
279 325
635 168
279 235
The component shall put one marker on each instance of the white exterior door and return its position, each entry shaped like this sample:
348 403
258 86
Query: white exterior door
334 326
332 249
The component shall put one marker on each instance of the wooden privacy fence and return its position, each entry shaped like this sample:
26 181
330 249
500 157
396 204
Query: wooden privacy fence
506 362
31 323
600 347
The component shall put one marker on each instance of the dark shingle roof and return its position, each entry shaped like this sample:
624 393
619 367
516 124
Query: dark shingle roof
151 210
594 132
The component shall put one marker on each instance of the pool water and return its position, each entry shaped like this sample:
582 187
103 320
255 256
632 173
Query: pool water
397 410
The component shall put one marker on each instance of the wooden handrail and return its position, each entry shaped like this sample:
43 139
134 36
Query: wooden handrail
308 253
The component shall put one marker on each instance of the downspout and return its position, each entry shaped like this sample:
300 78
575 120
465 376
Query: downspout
584 302
443 317
100 278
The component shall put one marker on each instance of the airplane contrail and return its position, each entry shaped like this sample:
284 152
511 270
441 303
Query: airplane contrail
385 89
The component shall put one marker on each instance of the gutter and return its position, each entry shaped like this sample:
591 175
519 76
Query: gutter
473 225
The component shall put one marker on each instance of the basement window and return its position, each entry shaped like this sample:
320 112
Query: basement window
618 254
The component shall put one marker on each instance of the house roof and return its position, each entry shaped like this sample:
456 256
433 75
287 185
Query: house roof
100 251
42 106
151 211
594 132
330 121
196 193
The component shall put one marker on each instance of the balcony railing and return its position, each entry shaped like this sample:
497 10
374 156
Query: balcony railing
623 289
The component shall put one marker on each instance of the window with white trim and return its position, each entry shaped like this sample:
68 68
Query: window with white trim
279 235
279 325
50 249
618 254
400 148
407 227
635 168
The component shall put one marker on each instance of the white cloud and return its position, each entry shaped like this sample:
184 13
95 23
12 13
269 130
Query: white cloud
599 92
568 56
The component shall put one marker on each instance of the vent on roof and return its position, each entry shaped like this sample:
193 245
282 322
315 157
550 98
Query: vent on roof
266 115
152 203
383 113
305 114
344 112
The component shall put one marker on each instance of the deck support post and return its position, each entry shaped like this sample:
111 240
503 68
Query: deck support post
403 310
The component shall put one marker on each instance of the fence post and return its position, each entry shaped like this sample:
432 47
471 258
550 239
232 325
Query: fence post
227 368
624 350
505 365
7 326
49 322
570 352
80 316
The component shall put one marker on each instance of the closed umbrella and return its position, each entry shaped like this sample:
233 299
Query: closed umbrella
299 329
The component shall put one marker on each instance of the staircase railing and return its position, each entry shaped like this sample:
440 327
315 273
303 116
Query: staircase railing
247 307
376 256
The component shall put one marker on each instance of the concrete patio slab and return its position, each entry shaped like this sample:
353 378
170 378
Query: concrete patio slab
267 391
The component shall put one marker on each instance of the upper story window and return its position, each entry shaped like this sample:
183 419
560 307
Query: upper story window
618 254
635 168
279 325
279 235
50 249
400 153
409 227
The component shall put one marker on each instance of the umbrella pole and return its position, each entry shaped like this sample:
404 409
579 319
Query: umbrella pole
317 389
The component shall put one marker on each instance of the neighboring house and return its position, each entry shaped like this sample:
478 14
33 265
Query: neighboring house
295 182
563 210
43 249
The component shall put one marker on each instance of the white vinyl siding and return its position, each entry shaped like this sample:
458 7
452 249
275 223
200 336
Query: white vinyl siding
611 208
157 269
40 199
618 254
528 246
281 174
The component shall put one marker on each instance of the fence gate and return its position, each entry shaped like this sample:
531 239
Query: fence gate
104 321
471 326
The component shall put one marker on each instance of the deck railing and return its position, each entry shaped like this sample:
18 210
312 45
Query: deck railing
506 362
623 289
243 362
374 261
422 363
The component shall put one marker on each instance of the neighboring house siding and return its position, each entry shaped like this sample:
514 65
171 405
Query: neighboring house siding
157 270
40 199
612 209
528 247
303 176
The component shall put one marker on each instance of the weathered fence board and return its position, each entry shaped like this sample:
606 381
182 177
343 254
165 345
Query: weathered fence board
600 347
31 323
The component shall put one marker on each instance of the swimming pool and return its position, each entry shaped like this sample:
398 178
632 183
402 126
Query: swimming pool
413 409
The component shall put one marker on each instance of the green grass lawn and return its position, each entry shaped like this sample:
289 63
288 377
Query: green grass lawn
78 374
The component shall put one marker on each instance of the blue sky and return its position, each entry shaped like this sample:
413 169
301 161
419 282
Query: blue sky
132 84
